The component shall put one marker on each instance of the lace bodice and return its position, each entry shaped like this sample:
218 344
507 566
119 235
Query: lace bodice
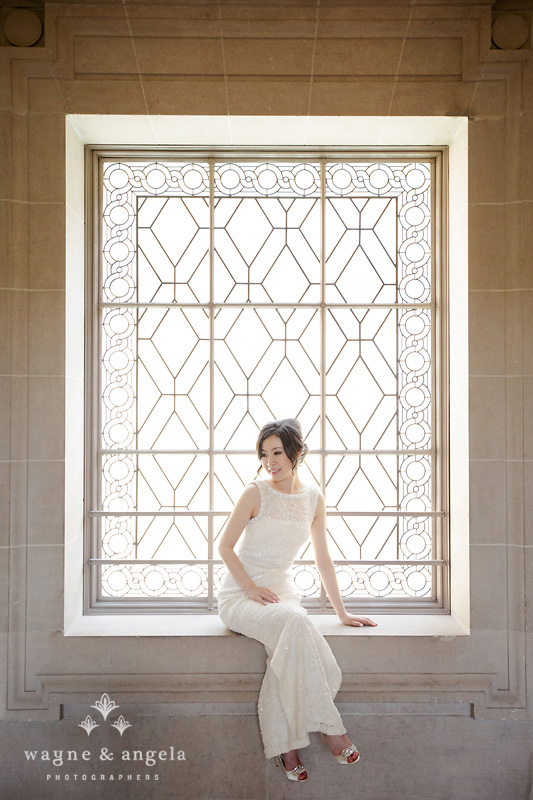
273 538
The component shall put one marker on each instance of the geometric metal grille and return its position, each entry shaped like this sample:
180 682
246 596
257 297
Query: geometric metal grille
235 291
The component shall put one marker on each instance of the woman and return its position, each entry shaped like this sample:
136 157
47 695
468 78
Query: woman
258 598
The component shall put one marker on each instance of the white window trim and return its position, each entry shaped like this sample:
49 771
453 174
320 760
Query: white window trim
291 131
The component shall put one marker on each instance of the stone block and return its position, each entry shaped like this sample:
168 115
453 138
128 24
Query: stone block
527 333
487 418
46 417
514 331
5 243
528 417
488 584
514 417
43 569
44 95
268 97
488 502
521 273
487 246
103 96
46 323
46 488
46 158
439 97
5 155
427 56
15 413
487 150
513 503
181 56
19 332
528 525
336 97
47 246
486 324
489 98
20 168
104 55
526 161
357 57
5 418
187 96
5 330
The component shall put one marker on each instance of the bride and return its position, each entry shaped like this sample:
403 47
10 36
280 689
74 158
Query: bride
258 598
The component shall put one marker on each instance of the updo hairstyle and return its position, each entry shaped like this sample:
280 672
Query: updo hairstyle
290 432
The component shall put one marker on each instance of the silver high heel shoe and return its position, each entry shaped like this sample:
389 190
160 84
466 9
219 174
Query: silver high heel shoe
342 758
292 774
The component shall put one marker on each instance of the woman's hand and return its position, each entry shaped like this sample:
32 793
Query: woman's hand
262 595
356 622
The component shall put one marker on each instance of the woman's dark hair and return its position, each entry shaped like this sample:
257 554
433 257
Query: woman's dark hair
290 433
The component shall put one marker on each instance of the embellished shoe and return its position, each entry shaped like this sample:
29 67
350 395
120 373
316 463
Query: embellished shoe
342 758
292 774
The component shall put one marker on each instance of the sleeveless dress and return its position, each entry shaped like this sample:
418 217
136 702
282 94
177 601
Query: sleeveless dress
302 676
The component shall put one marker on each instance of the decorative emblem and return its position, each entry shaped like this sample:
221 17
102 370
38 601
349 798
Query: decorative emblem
105 705
88 724
121 724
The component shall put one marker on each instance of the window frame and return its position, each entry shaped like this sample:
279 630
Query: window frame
440 367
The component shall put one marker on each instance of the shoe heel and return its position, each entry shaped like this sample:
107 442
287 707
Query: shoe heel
291 774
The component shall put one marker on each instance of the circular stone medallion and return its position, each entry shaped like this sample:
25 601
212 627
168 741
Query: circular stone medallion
23 28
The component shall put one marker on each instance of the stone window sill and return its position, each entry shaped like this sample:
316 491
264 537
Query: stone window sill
211 625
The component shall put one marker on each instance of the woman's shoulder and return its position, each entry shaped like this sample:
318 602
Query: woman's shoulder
314 490
248 503
252 491
318 500
252 494
252 488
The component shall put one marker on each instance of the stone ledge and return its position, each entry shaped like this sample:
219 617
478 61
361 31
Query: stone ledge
440 625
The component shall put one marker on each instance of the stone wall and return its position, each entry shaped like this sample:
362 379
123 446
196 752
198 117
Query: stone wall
434 716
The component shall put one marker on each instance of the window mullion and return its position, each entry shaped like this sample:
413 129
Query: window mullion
210 518
323 312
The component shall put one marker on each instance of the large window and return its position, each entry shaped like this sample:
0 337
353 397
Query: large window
228 289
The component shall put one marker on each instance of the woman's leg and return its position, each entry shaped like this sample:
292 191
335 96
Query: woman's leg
301 677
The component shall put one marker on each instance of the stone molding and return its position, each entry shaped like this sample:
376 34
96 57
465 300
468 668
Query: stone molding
479 690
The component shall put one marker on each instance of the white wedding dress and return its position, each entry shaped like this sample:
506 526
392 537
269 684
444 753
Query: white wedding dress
302 676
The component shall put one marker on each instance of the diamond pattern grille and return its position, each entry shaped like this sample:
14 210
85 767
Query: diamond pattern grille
234 293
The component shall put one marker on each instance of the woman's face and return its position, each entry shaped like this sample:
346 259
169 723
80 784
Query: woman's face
274 459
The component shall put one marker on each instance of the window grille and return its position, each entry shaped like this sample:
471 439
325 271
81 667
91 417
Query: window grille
226 289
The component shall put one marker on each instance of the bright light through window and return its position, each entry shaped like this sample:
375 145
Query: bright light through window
229 293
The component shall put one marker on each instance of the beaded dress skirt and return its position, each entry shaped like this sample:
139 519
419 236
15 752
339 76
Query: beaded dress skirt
302 676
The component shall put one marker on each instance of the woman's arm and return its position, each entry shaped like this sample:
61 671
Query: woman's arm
239 518
326 567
